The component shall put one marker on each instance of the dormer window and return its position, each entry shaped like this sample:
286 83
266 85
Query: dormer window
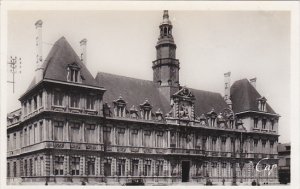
262 104
73 74
119 107
146 110
212 115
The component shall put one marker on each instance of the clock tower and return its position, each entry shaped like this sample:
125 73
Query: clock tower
166 66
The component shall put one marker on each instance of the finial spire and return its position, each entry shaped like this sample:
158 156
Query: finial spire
166 14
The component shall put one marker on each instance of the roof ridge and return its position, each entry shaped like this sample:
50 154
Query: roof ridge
205 91
122 76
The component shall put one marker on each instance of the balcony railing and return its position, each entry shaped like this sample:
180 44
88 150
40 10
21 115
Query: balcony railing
131 149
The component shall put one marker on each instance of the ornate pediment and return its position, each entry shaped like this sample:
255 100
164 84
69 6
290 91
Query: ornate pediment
184 93
146 105
120 102
212 113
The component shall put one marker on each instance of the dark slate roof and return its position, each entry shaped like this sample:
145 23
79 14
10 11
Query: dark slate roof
244 97
135 91
206 100
55 65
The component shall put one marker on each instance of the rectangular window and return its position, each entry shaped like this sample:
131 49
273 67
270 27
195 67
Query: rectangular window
264 146
58 98
25 168
90 102
147 167
107 167
8 142
147 138
15 141
8 169
15 169
255 122
121 137
160 139
89 133
58 130
264 121
75 165
204 143
159 167
288 161
25 108
135 167
223 145
29 106
25 137
255 146
35 102
106 135
121 167
173 140
90 166
134 137
272 124
41 131
30 167
59 165
36 136
31 135
214 145
21 139
40 99
74 100
75 132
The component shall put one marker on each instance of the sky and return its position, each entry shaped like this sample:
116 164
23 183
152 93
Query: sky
209 43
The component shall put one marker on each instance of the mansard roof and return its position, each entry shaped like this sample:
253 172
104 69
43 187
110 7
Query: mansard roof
135 91
205 101
244 97
59 58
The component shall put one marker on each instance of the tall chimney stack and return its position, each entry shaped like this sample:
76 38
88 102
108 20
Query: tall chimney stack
253 82
83 51
227 85
227 89
39 51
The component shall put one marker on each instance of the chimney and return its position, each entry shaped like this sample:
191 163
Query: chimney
253 82
227 89
39 51
227 85
83 51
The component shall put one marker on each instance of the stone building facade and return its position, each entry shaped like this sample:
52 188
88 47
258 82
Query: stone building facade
72 127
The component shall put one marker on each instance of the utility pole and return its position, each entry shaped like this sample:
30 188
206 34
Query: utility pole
13 64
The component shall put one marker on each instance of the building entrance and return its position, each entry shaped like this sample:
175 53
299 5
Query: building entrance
185 171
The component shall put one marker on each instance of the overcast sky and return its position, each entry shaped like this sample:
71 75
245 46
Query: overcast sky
209 43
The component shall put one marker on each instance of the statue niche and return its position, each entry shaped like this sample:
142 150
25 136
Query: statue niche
182 105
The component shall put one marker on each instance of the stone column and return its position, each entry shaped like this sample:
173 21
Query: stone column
98 166
50 134
50 165
66 165
169 139
82 165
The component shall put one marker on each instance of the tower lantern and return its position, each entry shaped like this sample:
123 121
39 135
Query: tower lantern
166 66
